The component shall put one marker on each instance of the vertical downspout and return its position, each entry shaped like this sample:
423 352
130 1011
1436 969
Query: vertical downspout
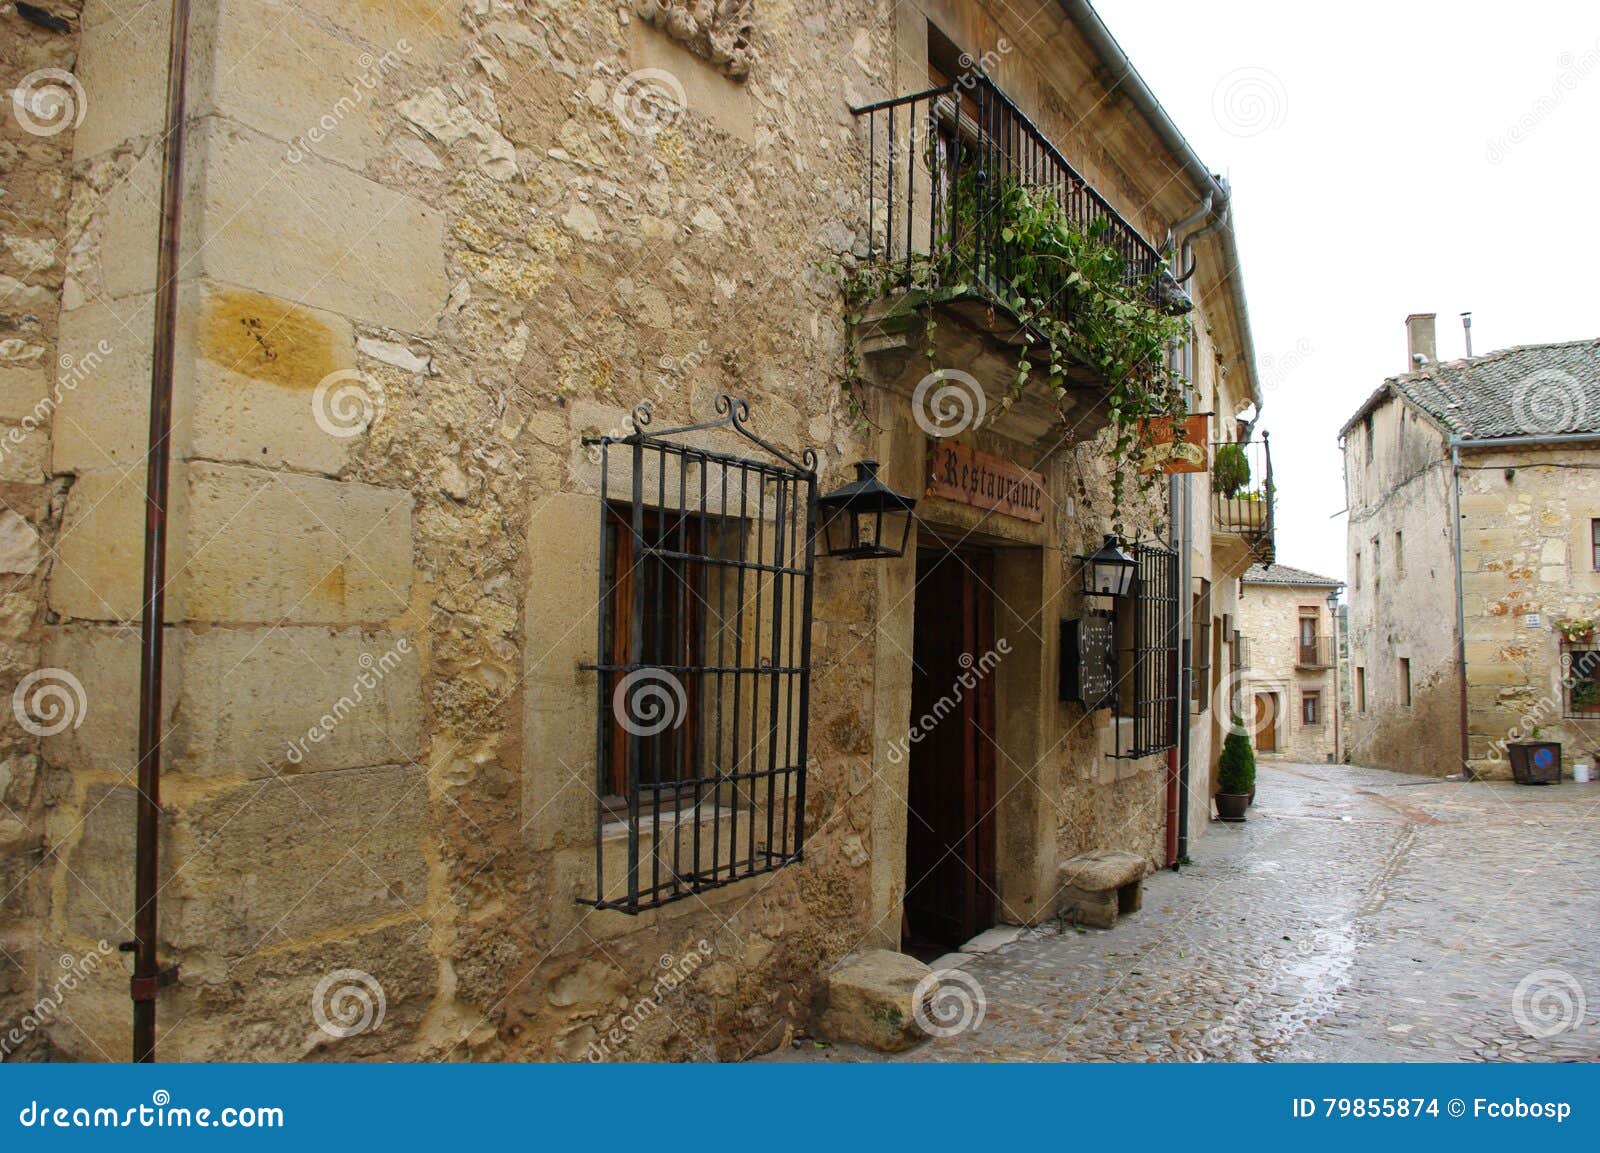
1185 664
1461 609
147 973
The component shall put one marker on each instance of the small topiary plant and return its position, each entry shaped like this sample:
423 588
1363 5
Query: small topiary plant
1236 771
1231 471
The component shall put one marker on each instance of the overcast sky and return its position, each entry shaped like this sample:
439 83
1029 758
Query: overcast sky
1386 159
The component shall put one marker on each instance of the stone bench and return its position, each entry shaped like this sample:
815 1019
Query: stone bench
1097 886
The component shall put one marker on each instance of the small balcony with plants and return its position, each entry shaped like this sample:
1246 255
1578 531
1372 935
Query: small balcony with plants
986 251
1242 503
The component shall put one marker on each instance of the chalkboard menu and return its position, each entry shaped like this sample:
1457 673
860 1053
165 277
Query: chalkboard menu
1088 672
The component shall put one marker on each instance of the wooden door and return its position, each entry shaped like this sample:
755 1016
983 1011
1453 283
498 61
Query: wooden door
1266 723
950 824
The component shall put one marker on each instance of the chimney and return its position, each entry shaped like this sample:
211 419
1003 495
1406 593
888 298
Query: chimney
1420 341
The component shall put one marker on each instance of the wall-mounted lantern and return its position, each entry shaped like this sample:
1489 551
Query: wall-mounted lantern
865 519
1108 571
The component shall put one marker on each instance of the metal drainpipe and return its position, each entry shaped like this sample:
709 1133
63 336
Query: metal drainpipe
1125 80
148 976
1461 610
1456 442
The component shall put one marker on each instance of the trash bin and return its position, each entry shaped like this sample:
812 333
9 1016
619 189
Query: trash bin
1535 762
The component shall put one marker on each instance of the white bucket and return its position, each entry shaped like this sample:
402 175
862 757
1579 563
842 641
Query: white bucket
1580 774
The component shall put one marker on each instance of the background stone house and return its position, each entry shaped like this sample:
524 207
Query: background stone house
1291 693
1455 645
432 257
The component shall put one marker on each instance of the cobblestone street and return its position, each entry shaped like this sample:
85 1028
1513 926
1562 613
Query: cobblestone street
1359 915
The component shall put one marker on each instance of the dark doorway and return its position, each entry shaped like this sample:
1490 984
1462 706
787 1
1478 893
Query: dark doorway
950 830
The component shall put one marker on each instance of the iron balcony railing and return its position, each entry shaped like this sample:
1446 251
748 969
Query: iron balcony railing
944 170
1241 651
1242 493
1314 653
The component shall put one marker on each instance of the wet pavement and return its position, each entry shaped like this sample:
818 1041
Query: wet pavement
1359 915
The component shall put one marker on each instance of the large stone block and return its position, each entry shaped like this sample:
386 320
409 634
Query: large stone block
872 999
298 699
99 860
120 57
559 698
247 391
315 232
278 859
269 546
246 545
284 75
245 701
98 574
101 409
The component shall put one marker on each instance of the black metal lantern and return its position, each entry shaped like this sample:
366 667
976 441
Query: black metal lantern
1108 571
865 519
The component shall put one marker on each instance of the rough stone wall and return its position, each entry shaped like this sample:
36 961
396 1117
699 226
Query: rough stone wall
37 125
1526 549
426 252
1402 610
1270 616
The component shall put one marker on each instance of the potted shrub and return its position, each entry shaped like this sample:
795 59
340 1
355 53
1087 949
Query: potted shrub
1230 472
1576 629
1236 773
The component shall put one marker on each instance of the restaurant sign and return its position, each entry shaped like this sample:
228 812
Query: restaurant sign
965 475
1175 445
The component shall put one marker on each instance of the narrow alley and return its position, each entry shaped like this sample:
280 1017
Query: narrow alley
1359 915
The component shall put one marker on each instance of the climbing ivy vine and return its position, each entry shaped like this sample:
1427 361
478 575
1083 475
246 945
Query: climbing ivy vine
1069 287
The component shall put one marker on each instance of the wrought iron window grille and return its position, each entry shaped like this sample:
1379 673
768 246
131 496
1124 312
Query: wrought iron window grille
1147 716
1580 676
703 668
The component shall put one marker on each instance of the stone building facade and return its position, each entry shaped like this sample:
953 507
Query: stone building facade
1292 691
430 256
1456 641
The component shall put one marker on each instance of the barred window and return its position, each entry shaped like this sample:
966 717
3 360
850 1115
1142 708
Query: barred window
1148 693
1580 666
1594 539
1200 650
1311 709
704 643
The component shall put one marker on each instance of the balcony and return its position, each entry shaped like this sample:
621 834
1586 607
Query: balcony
945 170
1243 504
1314 653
